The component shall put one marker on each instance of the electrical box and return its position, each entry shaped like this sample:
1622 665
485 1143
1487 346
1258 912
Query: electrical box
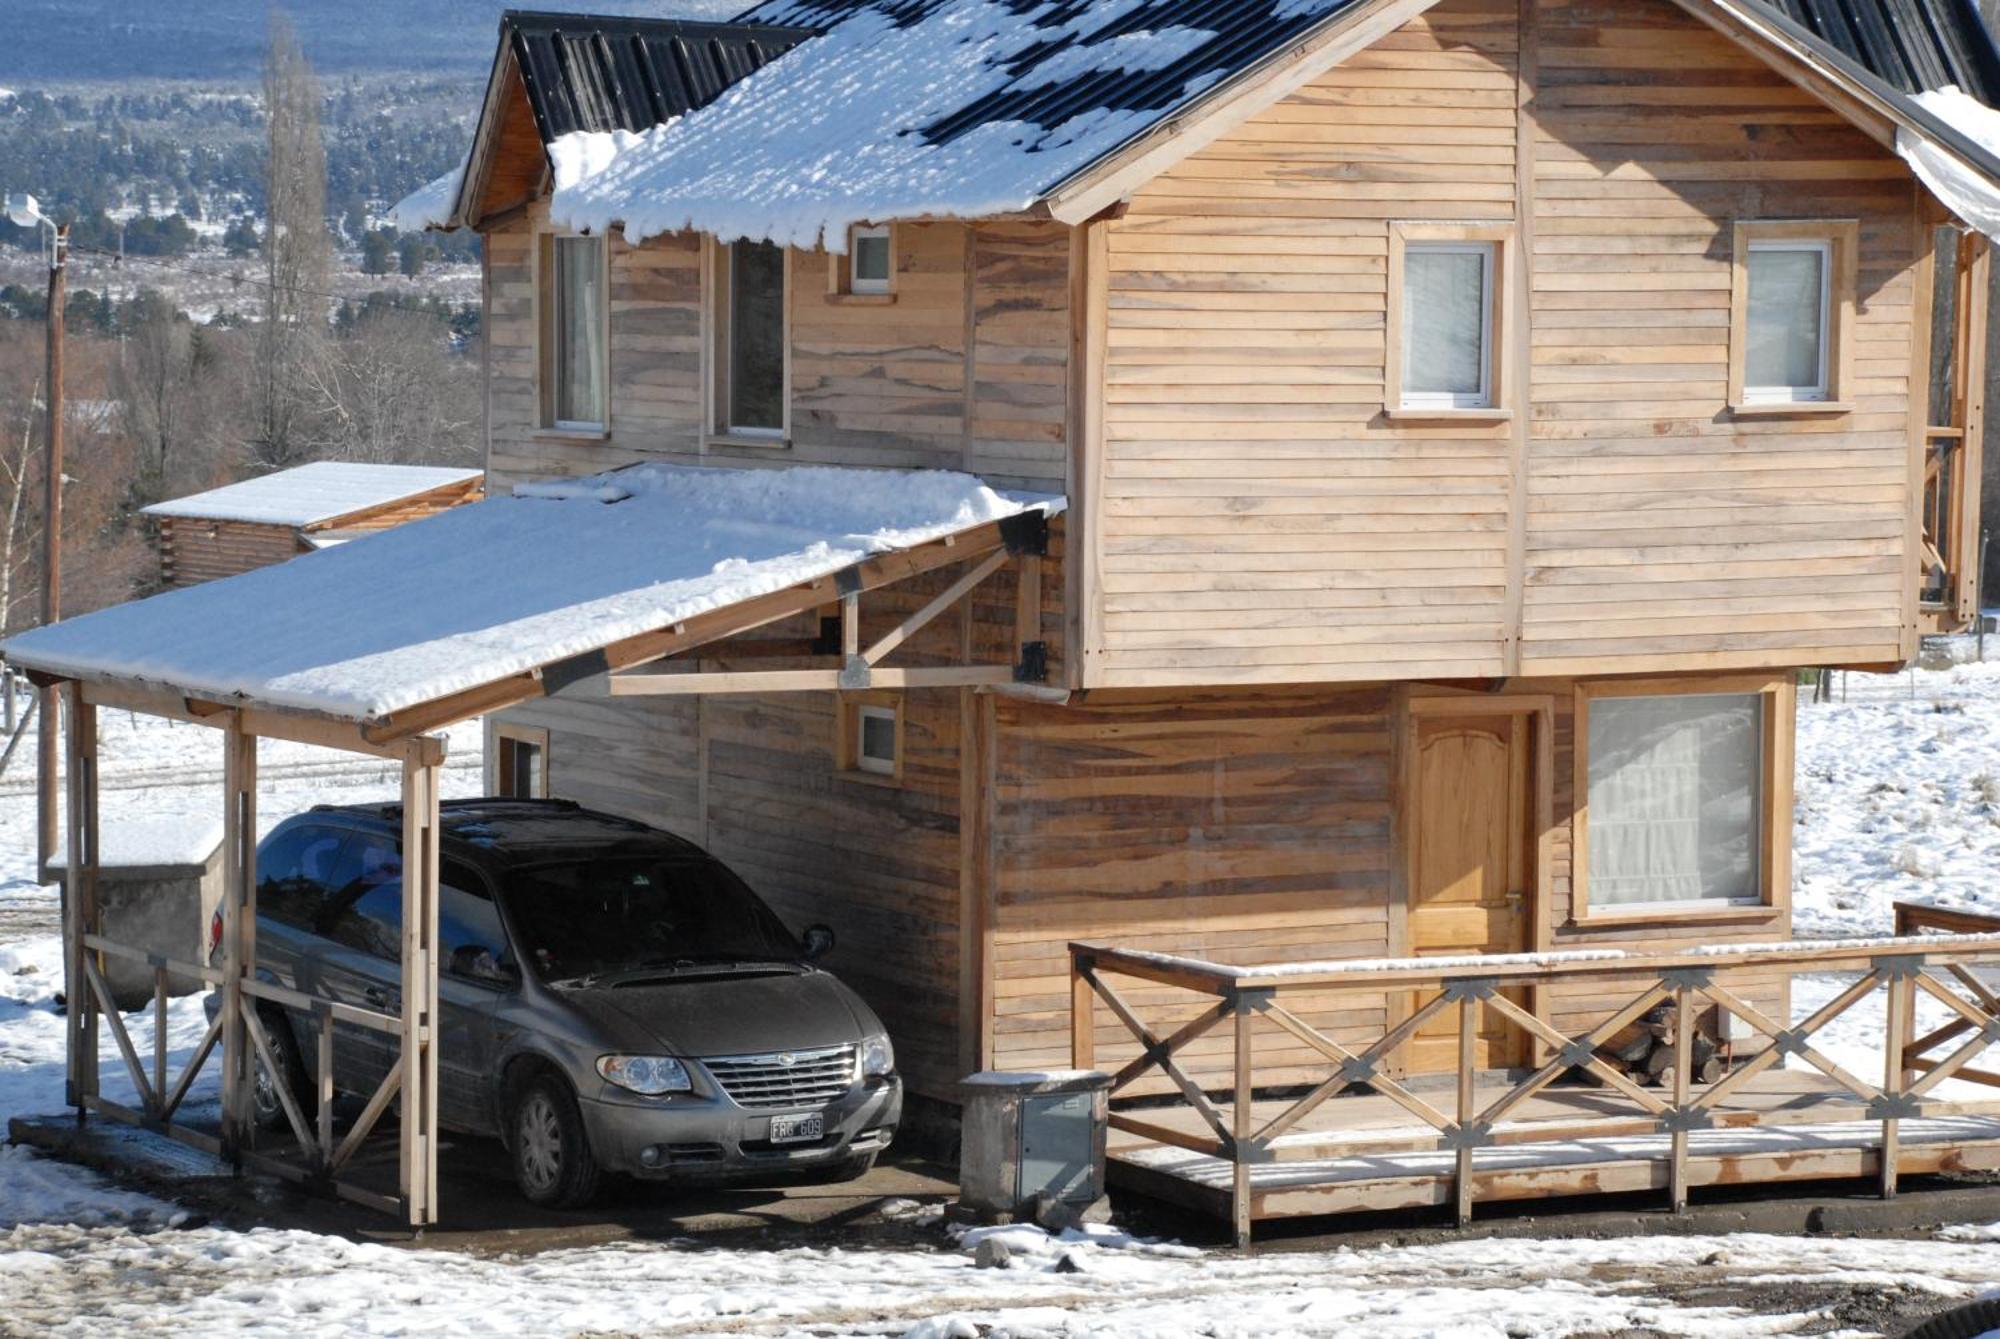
1032 1140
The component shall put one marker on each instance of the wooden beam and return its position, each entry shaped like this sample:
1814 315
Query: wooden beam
418 1135
803 681
945 599
239 928
80 893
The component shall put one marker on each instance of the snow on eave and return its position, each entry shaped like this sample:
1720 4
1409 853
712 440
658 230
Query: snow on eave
432 205
1961 186
489 590
312 494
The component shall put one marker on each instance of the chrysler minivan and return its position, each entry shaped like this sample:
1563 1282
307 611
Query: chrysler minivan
612 998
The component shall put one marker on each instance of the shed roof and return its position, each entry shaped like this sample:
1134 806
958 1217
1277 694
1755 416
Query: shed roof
469 597
313 494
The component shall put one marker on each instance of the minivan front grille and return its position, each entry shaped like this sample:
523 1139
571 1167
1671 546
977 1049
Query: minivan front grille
785 1078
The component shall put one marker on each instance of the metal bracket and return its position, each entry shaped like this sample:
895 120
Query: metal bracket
1898 966
856 673
1478 1134
1358 1069
1990 1031
1789 1041
1471 988
847 581
1688 978
1026 532
1033 667
1578 1054
1679 1120
1252 1001
1890 1106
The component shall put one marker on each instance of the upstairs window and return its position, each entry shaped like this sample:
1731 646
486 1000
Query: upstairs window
870 261
1791 308
749 349
521 762
1447 319
575 333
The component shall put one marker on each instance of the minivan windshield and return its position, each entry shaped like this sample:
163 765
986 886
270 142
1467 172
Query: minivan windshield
583 920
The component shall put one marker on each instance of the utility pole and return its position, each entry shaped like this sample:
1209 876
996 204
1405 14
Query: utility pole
23 211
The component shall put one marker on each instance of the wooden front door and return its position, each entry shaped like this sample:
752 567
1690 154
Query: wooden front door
1471 865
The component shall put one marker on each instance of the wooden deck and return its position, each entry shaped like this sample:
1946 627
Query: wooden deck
1365 1152
1359 1132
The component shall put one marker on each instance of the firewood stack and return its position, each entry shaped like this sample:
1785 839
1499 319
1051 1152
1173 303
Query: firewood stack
1645 1049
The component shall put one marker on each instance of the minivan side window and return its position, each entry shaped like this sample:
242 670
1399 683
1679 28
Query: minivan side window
365 908
469 927
294 873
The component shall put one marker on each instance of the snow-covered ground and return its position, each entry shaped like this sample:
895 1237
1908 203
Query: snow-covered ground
1893 769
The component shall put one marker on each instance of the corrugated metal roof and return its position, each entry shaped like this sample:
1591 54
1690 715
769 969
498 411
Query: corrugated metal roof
1910 45
592 72
1242 33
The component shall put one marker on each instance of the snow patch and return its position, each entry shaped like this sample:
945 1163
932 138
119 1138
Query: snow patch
430 205
1969 193
311 494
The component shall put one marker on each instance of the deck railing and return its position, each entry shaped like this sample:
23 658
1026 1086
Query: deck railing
1942 969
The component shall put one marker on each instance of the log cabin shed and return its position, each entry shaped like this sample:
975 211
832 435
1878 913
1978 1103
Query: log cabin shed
1264 545
275 517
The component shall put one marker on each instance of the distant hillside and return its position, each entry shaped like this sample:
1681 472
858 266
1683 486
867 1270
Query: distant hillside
65 41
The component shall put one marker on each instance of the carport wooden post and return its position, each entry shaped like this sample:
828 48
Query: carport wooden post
239 927
422 758
80 887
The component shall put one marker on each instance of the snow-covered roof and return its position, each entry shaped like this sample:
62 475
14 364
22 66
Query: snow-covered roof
496 588
151 843
973 108
325 490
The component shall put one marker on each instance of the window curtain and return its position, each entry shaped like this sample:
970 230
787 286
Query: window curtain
1675 799
1444 326
1784 315
580 331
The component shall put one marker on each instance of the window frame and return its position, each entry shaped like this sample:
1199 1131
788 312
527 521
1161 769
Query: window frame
1774 802
548 308
858 286
506 733
849 759
1838 240
719 264
1497 319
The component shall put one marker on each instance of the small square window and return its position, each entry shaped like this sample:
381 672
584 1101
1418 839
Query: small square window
870 259
875 740
1447 325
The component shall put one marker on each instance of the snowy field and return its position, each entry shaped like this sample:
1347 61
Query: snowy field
1897 799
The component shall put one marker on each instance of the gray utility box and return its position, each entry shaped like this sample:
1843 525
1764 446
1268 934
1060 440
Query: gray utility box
158 885
1031 1140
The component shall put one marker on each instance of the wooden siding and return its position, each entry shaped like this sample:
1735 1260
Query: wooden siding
193 551
967 368
1244 827
756 779
1259 518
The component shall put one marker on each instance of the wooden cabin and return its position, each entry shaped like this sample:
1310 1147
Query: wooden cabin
1473 417
275 517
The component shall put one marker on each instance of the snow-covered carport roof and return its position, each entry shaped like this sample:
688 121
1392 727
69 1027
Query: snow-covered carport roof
842 112
496 602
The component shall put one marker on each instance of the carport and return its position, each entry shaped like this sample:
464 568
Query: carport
373 646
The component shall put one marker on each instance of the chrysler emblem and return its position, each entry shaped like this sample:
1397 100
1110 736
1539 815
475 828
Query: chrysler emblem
787 1059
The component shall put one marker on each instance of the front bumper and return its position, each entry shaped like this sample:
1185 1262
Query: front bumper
692 1137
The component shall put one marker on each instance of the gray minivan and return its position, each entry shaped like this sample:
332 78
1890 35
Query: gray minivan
613 998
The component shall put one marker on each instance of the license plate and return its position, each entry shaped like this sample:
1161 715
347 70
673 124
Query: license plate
798 1129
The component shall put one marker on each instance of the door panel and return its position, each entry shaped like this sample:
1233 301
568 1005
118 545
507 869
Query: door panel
1470 867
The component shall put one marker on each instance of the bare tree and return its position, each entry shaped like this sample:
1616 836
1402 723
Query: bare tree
163 391
297 249
15 454
392 390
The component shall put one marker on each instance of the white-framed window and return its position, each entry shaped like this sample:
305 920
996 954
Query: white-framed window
870 743
1787 321
870 260
1678 793
749 340
1791 316
875 740
576 333
1448 325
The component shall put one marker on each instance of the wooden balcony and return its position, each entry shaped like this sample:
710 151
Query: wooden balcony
1369 1136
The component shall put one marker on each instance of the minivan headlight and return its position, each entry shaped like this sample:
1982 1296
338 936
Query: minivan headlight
878 1057
647 1075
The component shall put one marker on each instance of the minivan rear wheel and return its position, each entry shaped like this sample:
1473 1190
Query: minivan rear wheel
553 1164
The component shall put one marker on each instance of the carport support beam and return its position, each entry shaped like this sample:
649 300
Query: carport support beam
80 893
239 930
422 760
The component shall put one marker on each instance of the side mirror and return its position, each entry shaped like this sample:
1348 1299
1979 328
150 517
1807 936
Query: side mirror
477 963
818 942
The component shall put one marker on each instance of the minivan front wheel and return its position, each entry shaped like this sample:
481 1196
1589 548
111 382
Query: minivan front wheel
265 1107
552 1160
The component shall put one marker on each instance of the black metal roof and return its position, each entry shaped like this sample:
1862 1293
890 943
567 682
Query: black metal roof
592 72
1910 45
